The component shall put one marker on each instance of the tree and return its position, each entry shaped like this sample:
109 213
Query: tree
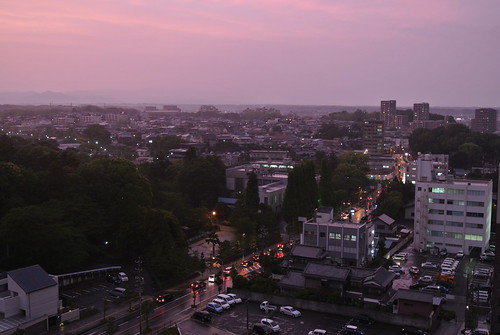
326 191
252 192
213 239
98 133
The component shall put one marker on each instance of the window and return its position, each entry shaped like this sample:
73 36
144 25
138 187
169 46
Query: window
457 236
455 213
347 237
455 191
338 236
474 192
474 225
475 215
473 237
475 203
419 188
455 202
434 233
454 224
436 211
436 222
353 238
436 189
322 234
331 235
435 201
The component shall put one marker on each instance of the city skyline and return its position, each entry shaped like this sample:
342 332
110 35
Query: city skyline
299 52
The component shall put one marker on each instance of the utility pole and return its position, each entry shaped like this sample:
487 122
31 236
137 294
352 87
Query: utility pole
139 282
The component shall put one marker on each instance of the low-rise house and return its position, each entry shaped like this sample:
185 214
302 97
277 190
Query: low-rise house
385 226
28 296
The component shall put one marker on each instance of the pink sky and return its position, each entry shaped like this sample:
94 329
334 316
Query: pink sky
352 52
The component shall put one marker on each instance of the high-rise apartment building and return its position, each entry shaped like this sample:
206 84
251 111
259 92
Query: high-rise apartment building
387 112
373 137
451 214
485 120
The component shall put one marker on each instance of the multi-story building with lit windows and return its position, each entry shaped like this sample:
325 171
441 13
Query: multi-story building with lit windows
452 214
345 242
387 112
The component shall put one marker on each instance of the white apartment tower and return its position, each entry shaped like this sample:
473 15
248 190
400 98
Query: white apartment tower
451 214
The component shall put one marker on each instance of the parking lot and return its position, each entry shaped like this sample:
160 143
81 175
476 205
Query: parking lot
238 317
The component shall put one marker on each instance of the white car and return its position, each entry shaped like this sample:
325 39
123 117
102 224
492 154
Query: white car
396 269
236 299
122 276
221 302
271 324
460 254
290 311
429 265
211 278
426 279
318 332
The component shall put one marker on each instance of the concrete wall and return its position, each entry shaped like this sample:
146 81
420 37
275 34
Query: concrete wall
395 319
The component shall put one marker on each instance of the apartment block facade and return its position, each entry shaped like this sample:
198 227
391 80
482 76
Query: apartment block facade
346 243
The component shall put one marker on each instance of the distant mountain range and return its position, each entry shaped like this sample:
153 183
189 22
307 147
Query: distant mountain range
49 97
87 97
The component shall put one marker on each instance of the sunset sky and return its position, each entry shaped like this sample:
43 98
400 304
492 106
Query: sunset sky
322 52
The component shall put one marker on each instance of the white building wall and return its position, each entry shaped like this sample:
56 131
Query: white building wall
43 302
456 215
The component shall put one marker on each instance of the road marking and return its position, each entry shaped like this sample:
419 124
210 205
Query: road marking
123 323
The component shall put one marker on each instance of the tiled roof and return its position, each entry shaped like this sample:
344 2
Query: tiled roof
325 271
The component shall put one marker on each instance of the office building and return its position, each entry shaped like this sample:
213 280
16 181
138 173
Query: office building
451 214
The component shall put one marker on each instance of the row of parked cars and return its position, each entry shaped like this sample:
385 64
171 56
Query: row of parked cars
222 302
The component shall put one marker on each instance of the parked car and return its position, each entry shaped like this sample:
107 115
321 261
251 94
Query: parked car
396 269
290 311
223 303
214 308
428 265
410 330
198 285
122 277
227 298
265 306
261 329
236 299
426 279
112 279
271 323
118 292
202 316
352 330
164 298
318 332
364 318
460 254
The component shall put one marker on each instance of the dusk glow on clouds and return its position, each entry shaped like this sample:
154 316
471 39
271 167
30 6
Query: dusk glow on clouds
353 52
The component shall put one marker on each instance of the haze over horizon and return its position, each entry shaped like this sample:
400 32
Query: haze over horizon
292 52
